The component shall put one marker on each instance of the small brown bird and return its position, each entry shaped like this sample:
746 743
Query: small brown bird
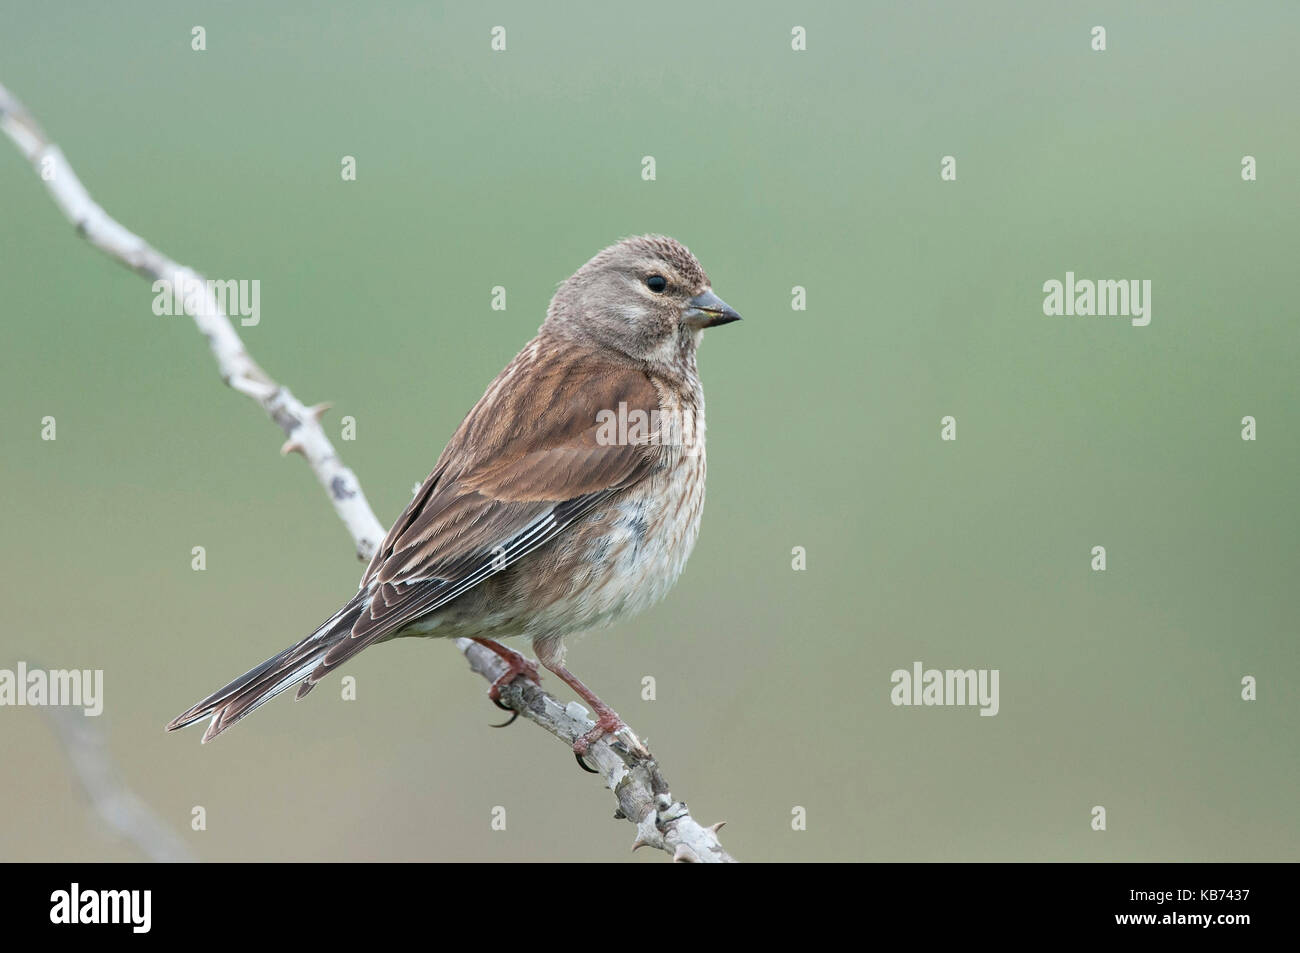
570 496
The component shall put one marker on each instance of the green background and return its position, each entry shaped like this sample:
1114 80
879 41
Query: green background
777 168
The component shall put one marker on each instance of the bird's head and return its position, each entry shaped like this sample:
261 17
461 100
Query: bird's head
645 297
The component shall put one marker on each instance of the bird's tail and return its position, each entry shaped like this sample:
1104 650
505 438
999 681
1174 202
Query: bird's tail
255 688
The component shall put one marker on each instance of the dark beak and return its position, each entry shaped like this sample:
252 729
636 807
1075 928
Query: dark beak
707 310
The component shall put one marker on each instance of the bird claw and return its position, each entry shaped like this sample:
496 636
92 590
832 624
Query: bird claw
607 724
516 665
513 714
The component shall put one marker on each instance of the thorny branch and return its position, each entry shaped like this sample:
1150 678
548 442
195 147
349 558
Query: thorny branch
635 779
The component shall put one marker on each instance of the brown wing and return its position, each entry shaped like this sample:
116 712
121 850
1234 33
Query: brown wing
525 465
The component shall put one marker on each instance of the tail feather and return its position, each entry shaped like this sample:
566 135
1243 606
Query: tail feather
256 687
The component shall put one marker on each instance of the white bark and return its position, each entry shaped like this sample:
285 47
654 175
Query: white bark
634 777
300 423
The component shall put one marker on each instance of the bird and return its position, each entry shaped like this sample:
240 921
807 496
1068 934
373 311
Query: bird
568 498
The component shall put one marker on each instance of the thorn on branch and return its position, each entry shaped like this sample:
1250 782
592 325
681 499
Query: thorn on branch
647 832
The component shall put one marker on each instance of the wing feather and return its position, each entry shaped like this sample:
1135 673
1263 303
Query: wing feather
529 461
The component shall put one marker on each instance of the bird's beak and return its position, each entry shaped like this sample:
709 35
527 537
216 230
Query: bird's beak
707 310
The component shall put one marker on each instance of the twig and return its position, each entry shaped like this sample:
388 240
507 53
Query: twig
300 423
642 793
638 784
122 810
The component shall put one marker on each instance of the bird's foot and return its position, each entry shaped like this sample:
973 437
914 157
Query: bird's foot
516 665
609 723
519 666
607 720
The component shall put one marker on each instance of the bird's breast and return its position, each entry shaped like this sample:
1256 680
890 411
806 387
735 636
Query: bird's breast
634 550
626 554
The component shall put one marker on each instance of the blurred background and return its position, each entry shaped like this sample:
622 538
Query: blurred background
778 168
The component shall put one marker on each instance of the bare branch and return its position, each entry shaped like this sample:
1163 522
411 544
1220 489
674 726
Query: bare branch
300 423
634 778
86 746
638 784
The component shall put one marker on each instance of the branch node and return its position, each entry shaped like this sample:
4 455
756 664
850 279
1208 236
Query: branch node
647 833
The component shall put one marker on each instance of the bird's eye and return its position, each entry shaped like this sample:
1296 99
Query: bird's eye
656 283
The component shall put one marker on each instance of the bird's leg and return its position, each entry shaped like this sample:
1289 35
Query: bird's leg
516 665
607 720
